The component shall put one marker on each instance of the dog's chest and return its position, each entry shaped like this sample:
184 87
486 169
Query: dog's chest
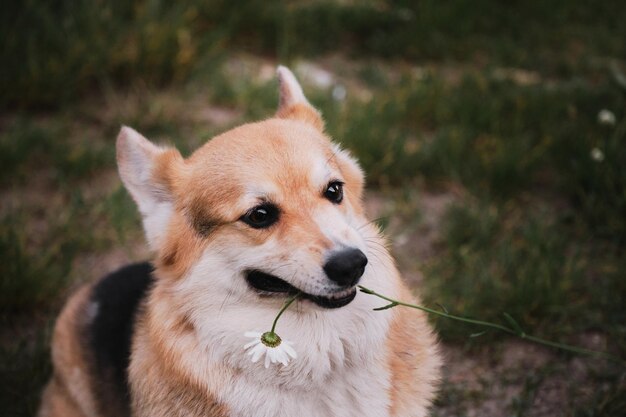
341 370
361 391
341 367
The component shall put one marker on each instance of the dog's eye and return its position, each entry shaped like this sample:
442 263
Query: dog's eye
261 216
334 192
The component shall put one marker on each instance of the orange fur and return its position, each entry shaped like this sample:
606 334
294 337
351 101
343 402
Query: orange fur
208 191
303 113
413 360
166 389
181 250
169 373
57 402
69 391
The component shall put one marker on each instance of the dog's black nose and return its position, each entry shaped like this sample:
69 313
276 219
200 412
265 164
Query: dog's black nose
346 267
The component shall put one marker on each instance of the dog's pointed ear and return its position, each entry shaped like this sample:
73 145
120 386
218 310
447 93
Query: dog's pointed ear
145 171
292 102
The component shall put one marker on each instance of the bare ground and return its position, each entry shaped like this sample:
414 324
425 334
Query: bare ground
512 377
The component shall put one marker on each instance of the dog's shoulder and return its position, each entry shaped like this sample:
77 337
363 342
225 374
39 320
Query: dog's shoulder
414 360
92 343
115 301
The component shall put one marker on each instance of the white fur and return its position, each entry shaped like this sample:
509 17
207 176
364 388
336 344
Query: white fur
136 157
341 230
155 221
290 90
340 369
321 173
341 365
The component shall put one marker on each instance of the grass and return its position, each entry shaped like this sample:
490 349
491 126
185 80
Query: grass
71 46
526 262
26 146
25 363
502 106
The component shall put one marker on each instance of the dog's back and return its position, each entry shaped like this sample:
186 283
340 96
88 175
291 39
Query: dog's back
92 345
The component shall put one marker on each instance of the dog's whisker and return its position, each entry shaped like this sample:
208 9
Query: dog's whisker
228 295
375 244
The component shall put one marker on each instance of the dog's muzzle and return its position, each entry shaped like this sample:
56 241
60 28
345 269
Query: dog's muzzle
268 284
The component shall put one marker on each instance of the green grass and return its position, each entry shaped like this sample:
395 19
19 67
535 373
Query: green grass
72 46
31 279
497 101
527 262
28 146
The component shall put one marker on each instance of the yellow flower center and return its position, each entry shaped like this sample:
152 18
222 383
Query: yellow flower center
270 339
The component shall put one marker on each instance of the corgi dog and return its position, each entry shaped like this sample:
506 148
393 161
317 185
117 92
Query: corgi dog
259 213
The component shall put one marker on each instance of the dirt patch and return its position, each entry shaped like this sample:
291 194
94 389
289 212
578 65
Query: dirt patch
412 223
515 378
511 377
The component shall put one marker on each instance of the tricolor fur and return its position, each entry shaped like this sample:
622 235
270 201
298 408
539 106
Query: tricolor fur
187 329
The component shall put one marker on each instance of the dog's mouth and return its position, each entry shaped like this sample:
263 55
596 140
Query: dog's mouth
268 284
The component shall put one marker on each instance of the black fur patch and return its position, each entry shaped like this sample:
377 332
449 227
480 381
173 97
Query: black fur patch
117 297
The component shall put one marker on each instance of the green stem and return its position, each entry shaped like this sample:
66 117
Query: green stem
520 334
282 310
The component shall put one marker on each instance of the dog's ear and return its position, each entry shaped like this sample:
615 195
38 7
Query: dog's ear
292 102
145 170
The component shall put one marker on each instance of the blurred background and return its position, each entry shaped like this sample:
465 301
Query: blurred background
493 134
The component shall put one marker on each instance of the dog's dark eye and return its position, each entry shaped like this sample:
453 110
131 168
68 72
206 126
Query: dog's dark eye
334 192
261 216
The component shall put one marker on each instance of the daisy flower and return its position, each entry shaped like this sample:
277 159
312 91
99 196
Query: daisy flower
606 117
270 344
597 155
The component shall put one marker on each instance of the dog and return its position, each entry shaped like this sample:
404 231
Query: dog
261 212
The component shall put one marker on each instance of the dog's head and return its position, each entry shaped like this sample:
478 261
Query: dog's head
265 209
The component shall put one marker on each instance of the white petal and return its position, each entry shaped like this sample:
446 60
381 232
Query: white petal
252 351
257 352
267 359
248 345
252 334
271 352
282 357
289 350
276 354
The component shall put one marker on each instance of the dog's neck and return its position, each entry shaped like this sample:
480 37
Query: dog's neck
211 329
341 352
